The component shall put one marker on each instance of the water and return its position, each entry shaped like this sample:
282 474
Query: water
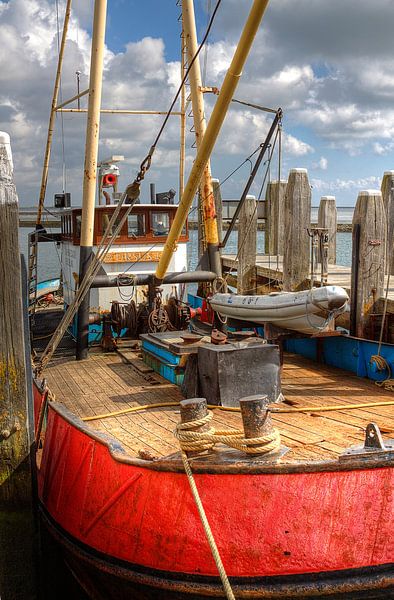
49 254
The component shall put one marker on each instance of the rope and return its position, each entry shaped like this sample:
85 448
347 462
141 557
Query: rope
207 529
271 409
114 226
198 441
382 365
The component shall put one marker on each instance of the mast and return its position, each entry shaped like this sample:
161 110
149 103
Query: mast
197 97
44 177
213 129
90 167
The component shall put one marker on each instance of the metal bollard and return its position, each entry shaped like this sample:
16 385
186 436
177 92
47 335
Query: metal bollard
256 419
194 409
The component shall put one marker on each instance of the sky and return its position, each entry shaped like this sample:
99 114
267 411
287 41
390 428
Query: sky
327 64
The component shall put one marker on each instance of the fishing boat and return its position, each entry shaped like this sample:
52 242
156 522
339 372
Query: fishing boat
288 499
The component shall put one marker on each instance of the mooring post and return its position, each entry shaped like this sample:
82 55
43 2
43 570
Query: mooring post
296 223
368 263
194 409
17 528
388 201
327 219
247 239
217 194
256 419
274 217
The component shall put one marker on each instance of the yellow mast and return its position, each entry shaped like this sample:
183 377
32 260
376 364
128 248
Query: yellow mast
214 125
197 98
90 167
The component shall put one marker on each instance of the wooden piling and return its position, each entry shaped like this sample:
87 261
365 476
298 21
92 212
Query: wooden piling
368 258
327 219
247 239
388 201
218 207
274 217
297 217
17 531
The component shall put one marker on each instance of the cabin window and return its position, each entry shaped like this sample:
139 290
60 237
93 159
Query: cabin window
78 222
160 222
135 226
105 219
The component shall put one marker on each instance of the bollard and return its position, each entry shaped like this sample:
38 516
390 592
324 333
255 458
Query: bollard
194 409
255 416
296 224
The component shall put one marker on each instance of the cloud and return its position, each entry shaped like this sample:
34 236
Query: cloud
336 185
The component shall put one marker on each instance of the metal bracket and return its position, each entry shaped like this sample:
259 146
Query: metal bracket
374 445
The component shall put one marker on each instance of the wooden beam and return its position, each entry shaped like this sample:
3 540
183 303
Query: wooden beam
388 200
327 219
368 259
296 256
247 239
17 575
274 223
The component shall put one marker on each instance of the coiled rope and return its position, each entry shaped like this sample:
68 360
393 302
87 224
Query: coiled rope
199 441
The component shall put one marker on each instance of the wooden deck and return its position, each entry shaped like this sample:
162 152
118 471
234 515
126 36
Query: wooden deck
271 267
104 384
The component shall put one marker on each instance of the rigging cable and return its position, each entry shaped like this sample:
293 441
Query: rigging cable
61 101
146 163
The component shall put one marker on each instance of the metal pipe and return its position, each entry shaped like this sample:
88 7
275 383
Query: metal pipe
248 185
90 167
213 129
206 189
44 177
104 281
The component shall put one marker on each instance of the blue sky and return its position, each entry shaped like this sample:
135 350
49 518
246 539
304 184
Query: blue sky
328 64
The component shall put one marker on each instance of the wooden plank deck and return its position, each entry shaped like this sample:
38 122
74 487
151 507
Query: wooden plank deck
271 267
104 384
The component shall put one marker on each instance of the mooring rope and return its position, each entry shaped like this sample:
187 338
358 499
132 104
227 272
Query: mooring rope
198 441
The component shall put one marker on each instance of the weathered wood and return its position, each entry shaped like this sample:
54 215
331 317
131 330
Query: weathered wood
327 219
388 200
368 264
274 217
247 239
296 256
17 577
218 207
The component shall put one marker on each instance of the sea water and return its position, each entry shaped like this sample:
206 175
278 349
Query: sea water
49 254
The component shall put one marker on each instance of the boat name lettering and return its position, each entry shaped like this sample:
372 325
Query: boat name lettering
124 257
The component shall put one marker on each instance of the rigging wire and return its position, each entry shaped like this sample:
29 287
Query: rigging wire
146 163
61 101
204 70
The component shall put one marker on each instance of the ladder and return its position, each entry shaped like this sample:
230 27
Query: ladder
32 277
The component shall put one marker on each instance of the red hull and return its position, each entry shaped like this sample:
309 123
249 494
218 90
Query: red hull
265 525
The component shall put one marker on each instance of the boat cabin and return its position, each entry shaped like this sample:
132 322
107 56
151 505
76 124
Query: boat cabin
137 249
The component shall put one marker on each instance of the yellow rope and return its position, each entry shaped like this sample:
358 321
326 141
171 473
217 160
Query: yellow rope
208 532
382 365
272 409
198 441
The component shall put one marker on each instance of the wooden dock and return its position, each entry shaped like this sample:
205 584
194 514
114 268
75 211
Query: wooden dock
270 269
